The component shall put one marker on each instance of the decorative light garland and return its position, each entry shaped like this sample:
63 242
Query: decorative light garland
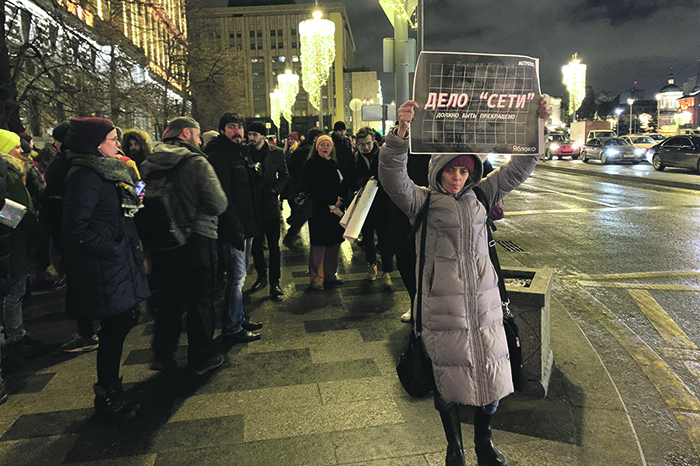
276 107
317 55
403 10
575 80
288 84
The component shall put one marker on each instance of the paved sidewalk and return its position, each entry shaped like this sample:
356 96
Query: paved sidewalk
320 388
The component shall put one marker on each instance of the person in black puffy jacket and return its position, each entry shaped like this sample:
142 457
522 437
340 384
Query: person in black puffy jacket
104 261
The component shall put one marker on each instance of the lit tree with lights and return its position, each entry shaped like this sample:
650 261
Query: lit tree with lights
574 77
317 56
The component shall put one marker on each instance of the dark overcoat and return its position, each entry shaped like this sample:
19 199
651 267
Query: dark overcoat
104 261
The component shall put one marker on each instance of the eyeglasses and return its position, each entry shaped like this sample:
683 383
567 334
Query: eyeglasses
115 139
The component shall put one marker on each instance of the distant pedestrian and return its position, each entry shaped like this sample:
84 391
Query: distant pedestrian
268 188
327 190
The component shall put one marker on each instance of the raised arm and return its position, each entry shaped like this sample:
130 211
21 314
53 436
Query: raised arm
392 166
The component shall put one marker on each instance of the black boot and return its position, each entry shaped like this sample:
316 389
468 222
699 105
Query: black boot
112 404
487 454
453 434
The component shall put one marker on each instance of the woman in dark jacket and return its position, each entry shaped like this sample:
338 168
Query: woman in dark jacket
104 262
325 185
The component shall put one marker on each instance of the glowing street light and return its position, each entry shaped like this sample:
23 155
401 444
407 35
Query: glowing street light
288 85
317 56
575 80
630 102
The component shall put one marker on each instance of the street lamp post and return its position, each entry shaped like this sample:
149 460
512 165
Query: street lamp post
617 112
630 102
658 112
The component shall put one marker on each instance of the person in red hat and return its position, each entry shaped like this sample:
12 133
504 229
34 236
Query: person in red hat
104 262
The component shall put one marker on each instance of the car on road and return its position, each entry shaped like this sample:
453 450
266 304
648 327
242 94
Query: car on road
559 145
658 137
640 141
611 150
677 151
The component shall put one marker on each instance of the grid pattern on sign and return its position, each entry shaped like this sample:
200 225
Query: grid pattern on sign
473 79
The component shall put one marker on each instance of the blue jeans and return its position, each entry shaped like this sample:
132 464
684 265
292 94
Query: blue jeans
12 309
236 271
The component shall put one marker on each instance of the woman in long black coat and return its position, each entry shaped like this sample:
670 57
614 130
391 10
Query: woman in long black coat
327 189
104 262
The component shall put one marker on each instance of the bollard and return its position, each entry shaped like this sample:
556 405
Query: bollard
529 293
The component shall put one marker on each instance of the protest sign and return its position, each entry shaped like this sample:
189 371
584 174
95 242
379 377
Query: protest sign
476 103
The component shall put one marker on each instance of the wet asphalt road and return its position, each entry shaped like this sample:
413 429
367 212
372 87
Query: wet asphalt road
624 244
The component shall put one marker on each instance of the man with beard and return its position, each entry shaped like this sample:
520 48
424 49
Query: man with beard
186 276
273 180
136 145
238 225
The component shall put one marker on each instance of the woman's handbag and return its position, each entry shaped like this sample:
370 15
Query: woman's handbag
415 369
520 377
303 200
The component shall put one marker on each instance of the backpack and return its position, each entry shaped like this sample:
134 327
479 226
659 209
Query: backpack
164 222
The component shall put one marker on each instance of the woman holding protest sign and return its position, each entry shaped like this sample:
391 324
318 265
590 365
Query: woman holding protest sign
462 320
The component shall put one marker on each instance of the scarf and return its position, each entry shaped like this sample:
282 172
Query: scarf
111 170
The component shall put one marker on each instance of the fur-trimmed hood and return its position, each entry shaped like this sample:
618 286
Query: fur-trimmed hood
142 138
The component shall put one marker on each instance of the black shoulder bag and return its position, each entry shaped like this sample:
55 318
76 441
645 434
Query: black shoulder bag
520 377
415 369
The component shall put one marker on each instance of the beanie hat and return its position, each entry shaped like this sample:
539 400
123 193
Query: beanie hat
339 126
60 131
25 137
464 160
26 147
177 125
8 141
323 137
93 129
294 135
258 127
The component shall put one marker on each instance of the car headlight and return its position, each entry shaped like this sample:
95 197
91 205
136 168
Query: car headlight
554 147
575 146
639 151
612 152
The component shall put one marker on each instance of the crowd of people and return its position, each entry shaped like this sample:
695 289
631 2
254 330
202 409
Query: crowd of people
82 193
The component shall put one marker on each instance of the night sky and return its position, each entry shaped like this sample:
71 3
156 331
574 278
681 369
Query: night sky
621 41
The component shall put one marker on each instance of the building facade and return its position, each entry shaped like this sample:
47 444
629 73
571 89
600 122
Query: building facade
268 37
363 85
121 59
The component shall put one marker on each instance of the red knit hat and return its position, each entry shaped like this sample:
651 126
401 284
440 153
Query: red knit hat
93 129
294 135
465 160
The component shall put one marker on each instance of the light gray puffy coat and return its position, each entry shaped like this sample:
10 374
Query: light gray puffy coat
462 318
